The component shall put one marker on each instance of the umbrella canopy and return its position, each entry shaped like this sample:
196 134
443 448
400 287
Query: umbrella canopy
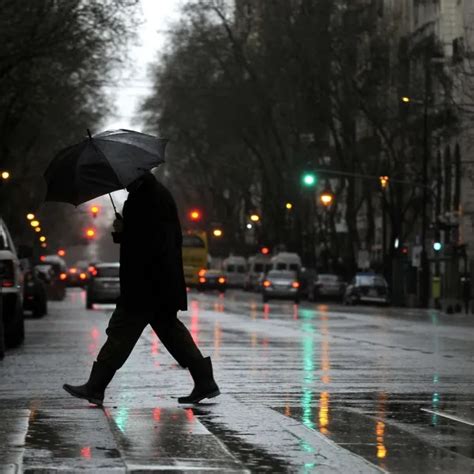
101 164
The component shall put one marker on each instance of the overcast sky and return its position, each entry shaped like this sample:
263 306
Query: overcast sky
134 83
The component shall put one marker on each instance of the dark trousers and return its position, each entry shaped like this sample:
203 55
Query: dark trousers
125 328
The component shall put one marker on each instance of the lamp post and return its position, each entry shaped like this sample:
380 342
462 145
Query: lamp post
384 181
424 265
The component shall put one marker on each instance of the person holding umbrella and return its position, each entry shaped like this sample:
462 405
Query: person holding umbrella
152 282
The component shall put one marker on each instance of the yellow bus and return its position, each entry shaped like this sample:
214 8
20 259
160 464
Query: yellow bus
195 255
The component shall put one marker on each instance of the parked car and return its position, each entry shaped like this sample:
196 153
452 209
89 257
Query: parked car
367 288
282 284
104 284
35 298
212 280
57 284
235 268
326 285
257 265
11 292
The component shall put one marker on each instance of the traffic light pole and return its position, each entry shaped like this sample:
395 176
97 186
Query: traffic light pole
425 270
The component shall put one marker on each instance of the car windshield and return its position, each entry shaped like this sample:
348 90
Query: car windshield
241 269
258 267
282 275
108 272
371 280
192 241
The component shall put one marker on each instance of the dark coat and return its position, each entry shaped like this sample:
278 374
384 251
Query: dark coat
151 264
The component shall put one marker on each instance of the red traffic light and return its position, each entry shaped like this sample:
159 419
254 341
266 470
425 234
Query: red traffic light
91 233
195 215
95 210
61 252
265 250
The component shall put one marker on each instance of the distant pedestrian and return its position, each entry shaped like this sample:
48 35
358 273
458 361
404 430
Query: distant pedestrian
152 291
466 292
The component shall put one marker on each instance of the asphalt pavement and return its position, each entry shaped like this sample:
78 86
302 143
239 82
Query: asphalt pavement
305 388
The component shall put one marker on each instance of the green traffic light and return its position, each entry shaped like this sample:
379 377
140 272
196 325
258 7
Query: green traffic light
437 246
309 179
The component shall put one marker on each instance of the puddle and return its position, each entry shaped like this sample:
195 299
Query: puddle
392 432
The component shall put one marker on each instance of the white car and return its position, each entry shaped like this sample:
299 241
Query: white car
11 292
104 284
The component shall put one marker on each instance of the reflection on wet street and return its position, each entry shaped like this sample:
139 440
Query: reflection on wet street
306 388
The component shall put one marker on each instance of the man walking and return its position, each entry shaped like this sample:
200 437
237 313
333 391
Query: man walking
152 291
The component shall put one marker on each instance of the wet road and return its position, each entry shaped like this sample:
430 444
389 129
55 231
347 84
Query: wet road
308 388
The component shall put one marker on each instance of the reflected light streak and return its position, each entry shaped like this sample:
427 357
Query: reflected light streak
121 418
157 414
190 415
86 452
253 310
325 362
308 374
266 311
295 311
253 339
217 338
155 344
195 321
324 412
380 432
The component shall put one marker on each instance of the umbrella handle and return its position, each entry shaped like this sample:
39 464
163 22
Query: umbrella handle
117 215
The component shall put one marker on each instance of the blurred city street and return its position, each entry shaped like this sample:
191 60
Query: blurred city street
305 388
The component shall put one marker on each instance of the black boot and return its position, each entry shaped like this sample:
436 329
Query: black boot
93 389
204 384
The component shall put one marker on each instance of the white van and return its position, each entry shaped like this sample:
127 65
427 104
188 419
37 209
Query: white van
286 261
235 268
257 265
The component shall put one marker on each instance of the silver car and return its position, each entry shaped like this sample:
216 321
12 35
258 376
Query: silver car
104 284
281 284
326 285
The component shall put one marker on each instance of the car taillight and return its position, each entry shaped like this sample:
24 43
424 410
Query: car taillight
202 272
202 280
82 276
267 283
221 280
73 270
62 276
6 273
92 270
295 284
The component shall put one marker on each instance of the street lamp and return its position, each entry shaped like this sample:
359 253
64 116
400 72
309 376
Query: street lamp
254 217
289 206
217 233
38 229
5 175
34 223
384 180
42 238
326 198
30 216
